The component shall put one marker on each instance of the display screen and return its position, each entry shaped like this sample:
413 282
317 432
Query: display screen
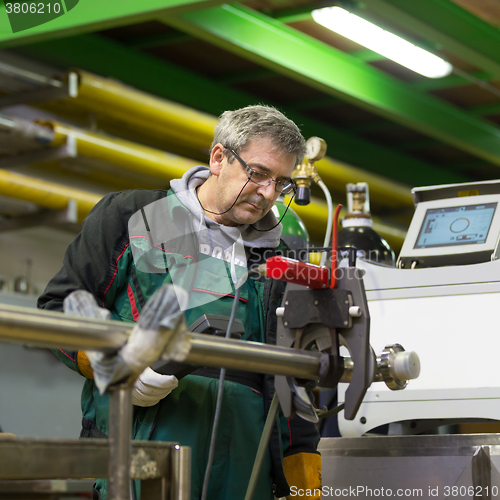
451 226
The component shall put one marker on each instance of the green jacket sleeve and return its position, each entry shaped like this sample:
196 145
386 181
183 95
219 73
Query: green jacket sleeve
95 257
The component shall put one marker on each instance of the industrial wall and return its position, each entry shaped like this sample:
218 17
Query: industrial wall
40 397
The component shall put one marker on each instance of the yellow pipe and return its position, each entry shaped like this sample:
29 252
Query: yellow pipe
126 154
390 193
45 194
166 166
56 197
195 128
164 118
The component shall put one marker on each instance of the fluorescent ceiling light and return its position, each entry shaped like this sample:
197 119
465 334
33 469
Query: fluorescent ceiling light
381 41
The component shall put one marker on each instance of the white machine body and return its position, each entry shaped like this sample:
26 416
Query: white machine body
450 316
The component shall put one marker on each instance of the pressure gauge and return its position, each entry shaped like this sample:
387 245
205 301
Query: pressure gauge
315 148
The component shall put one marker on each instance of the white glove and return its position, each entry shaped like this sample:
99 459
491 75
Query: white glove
147 341
105 365
83 303
151 387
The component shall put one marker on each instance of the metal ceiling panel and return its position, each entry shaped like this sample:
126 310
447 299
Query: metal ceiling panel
277 46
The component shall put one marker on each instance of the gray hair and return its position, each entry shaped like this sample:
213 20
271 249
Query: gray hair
236 129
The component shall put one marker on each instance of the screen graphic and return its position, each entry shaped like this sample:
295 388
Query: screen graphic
451 226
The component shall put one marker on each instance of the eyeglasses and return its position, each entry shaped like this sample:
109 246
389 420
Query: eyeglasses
262 179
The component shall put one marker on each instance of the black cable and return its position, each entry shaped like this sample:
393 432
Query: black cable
132 491
282 217
263 444
222 213
331 402
332 412
220 392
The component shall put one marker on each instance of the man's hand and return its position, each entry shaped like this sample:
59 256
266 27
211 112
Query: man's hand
151 387
161 323
83 303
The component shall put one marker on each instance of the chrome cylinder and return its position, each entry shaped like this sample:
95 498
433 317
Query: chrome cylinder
181 474
23 325
54 329
387 370
120 441
252 356
25 129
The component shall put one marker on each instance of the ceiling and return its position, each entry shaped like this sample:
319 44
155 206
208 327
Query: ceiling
373 114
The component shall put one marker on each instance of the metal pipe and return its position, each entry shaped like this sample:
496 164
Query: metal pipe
127 154
24 75
180 486
120 441
23 325
347 373
156 115
349 367
26 129
385 369
160 117
207 350
262 450
7 124
45 194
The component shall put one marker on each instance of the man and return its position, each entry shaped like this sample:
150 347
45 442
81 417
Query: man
202 235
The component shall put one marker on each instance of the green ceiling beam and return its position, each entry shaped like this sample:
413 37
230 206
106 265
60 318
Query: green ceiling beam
445 23
326 101
372 126
452 81
158 40
294 15
469 166
298 14
249 75
274 45
417 144
108 58
485 110
367 55
92 15
111 59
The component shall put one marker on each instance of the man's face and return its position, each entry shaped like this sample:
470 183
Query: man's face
254 201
